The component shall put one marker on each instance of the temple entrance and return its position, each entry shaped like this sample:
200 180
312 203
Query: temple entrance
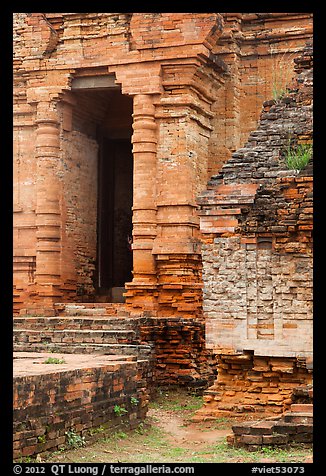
115 198
100 145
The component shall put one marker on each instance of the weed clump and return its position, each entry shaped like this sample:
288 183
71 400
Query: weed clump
297 156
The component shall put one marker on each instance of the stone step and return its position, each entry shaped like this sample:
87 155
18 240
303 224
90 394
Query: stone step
142 351
298 417
302 407
75 336
75 322
293 428
86 309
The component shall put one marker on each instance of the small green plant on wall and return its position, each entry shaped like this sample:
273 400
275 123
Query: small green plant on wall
297 156
282 73
54 360
74 440
119 411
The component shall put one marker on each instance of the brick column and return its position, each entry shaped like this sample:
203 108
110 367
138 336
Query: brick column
48 208
141 292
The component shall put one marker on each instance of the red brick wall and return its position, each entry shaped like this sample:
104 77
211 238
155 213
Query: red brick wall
248 383
179 352
46 406
259 50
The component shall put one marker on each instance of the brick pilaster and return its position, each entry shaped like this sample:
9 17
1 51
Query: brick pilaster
48 206
141 291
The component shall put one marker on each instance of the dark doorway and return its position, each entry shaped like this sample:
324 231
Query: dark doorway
114 260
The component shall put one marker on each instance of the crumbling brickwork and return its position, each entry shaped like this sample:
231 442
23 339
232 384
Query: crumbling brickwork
174 348
256 221
186 78
70 397
294 426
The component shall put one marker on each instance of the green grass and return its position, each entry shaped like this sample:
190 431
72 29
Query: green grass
150 443
298 156
177 401
54 360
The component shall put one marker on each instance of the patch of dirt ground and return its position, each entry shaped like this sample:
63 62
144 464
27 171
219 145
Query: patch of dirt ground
169 436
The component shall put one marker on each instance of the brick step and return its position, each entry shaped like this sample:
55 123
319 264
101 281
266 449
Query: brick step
302 407
298 417
87 309
293 428
75 336
75 322
142 351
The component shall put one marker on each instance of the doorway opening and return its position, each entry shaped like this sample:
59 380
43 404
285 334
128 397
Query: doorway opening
115 198
101 144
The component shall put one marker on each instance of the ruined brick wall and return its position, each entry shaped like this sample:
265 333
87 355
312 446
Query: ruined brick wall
256 220
47 406
192 79
258 49
179 351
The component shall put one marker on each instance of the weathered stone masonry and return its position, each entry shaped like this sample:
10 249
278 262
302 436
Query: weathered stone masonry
74 396
186 75
256 221
229 278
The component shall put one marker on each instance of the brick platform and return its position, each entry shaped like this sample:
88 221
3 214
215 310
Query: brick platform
174 346
80 394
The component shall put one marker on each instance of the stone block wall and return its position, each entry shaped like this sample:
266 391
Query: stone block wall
47 405
256 223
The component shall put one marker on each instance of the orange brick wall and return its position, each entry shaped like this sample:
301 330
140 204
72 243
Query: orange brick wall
256 224
49 405
79 235
259 50
203 78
